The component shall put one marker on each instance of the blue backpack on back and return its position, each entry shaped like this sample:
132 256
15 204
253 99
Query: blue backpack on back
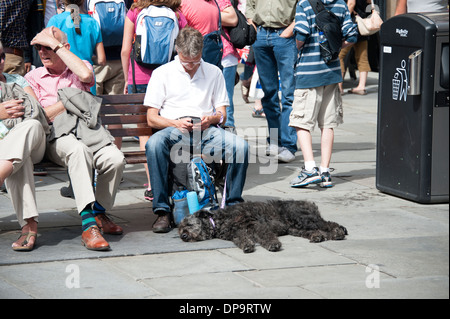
110 15
156 31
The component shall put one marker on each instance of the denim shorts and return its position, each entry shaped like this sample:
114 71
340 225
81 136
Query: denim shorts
321 104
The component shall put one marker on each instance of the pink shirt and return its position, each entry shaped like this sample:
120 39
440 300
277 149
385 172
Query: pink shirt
141 74
201 15
46 85
227 46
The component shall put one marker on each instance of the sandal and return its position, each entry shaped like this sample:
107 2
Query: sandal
23 245
358 92
258 113
245 91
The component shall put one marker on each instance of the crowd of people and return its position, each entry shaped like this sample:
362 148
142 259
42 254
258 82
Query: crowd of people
50 74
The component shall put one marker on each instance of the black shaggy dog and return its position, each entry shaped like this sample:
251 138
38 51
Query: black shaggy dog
259 222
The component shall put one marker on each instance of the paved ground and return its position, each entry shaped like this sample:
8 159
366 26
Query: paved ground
395 249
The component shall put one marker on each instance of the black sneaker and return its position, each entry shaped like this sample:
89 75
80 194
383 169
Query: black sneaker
148 194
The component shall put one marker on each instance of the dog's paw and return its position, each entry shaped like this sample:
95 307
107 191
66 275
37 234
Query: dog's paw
248 248
317 237
274 247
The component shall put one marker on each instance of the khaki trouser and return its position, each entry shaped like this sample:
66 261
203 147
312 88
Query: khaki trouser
109 162
14 64
109 78
25 144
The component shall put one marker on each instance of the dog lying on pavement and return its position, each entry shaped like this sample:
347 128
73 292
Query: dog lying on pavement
249 223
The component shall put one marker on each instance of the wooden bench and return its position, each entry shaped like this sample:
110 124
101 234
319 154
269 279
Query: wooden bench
127 110
124 109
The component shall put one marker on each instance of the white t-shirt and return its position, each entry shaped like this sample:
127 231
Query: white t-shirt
175 94
426 6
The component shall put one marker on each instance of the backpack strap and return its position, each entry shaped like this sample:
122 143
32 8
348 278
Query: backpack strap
222 31
133 61
220 18
316 5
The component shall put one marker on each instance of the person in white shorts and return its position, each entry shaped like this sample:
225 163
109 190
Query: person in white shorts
317 97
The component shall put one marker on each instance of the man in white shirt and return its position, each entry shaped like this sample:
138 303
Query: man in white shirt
178 93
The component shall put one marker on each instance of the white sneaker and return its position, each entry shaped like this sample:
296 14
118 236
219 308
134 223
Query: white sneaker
272 149
285 155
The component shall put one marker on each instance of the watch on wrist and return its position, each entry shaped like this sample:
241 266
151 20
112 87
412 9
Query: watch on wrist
59 46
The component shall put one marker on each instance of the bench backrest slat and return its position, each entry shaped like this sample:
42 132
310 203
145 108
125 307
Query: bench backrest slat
126 109
123 98
121 119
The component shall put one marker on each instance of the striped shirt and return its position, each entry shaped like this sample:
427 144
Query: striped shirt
311 71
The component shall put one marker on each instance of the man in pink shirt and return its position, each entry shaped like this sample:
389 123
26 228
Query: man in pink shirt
64 69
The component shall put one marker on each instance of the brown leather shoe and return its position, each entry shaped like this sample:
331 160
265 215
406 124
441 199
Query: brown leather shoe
162 223
107 226
92 239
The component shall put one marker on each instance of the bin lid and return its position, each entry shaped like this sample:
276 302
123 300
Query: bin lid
440 19
412 28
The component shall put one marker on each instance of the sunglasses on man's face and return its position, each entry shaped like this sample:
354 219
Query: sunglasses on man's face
2 56
38 47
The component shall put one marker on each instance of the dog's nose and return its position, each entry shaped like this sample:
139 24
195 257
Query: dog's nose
184 236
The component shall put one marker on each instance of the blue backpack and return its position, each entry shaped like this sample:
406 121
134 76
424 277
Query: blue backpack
201 181
156 31
110 15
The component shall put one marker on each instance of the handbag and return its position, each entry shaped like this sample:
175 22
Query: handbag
213 46
243 33
371 24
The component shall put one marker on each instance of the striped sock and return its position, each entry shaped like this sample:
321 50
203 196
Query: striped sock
98 209
87 219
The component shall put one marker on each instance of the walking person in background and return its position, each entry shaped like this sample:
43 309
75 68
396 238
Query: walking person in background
317 96
137 76
230 58
13 15
404 6
275 54
109 77
357 7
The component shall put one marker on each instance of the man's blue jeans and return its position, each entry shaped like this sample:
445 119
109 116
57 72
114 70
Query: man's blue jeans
164 145
274 55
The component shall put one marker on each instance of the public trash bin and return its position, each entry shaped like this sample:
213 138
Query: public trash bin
413 108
